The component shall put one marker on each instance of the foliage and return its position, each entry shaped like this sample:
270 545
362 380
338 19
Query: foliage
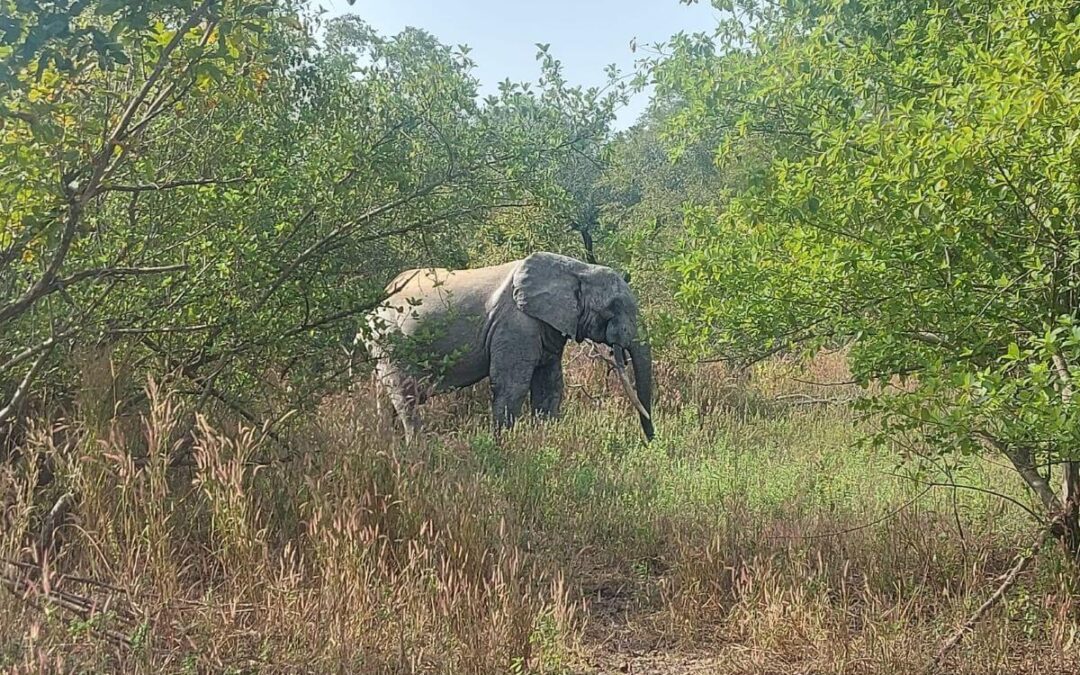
648 183
565 213
920 200
213 193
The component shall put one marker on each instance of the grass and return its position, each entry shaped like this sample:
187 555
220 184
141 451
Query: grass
756 535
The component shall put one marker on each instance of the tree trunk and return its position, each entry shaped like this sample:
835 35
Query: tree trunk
1070 480
1064 508
587 240
1070 499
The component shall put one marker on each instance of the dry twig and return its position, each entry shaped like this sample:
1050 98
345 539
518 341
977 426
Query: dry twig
1010 580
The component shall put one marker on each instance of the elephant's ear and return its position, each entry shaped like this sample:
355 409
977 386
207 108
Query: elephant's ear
547 287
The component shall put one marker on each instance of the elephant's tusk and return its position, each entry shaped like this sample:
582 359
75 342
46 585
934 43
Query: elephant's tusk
627 385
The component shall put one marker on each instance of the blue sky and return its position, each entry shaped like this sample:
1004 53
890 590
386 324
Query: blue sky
585 35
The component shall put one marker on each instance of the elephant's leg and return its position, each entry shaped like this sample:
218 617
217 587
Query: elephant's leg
402 396
510 381
408 412
384 411
516 350
507 397
546 390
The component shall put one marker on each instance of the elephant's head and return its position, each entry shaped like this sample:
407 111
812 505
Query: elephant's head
590 302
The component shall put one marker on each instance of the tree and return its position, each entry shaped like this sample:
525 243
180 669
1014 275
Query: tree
83 88
650 181
233 195
567 190
920 199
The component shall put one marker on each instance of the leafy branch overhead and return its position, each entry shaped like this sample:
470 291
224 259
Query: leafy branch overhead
918 199
206 187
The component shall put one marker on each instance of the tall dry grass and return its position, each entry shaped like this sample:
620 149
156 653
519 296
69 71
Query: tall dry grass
755 536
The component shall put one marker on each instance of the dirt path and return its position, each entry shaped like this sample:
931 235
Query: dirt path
656 664
621 638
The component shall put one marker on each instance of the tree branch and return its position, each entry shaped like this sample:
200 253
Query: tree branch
332 318
1070 479
974 488
348 178
314 249
80 195
1064 376
30 352
929 338
12 407
345 228
170 185
1021 461
159 68
1010 580
112 272
160 102
161 330
42 286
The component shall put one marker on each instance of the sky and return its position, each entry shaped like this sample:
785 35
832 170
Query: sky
586 35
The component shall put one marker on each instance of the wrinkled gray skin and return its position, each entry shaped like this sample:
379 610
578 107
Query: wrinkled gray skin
508 322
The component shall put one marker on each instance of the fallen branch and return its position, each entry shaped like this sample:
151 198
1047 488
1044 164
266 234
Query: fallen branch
34 570
86 608
1010 580
806 399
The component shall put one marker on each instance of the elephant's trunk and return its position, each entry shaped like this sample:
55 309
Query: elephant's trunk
641 394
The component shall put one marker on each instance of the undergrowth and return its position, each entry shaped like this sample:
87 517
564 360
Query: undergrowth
755 535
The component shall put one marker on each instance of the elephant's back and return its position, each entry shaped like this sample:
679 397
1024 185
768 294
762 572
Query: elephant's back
465 298
446 312
425 281
420 279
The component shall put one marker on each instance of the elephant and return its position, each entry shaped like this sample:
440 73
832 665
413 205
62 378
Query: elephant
441 329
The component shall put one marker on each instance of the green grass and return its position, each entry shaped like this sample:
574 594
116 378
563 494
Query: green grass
785 464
